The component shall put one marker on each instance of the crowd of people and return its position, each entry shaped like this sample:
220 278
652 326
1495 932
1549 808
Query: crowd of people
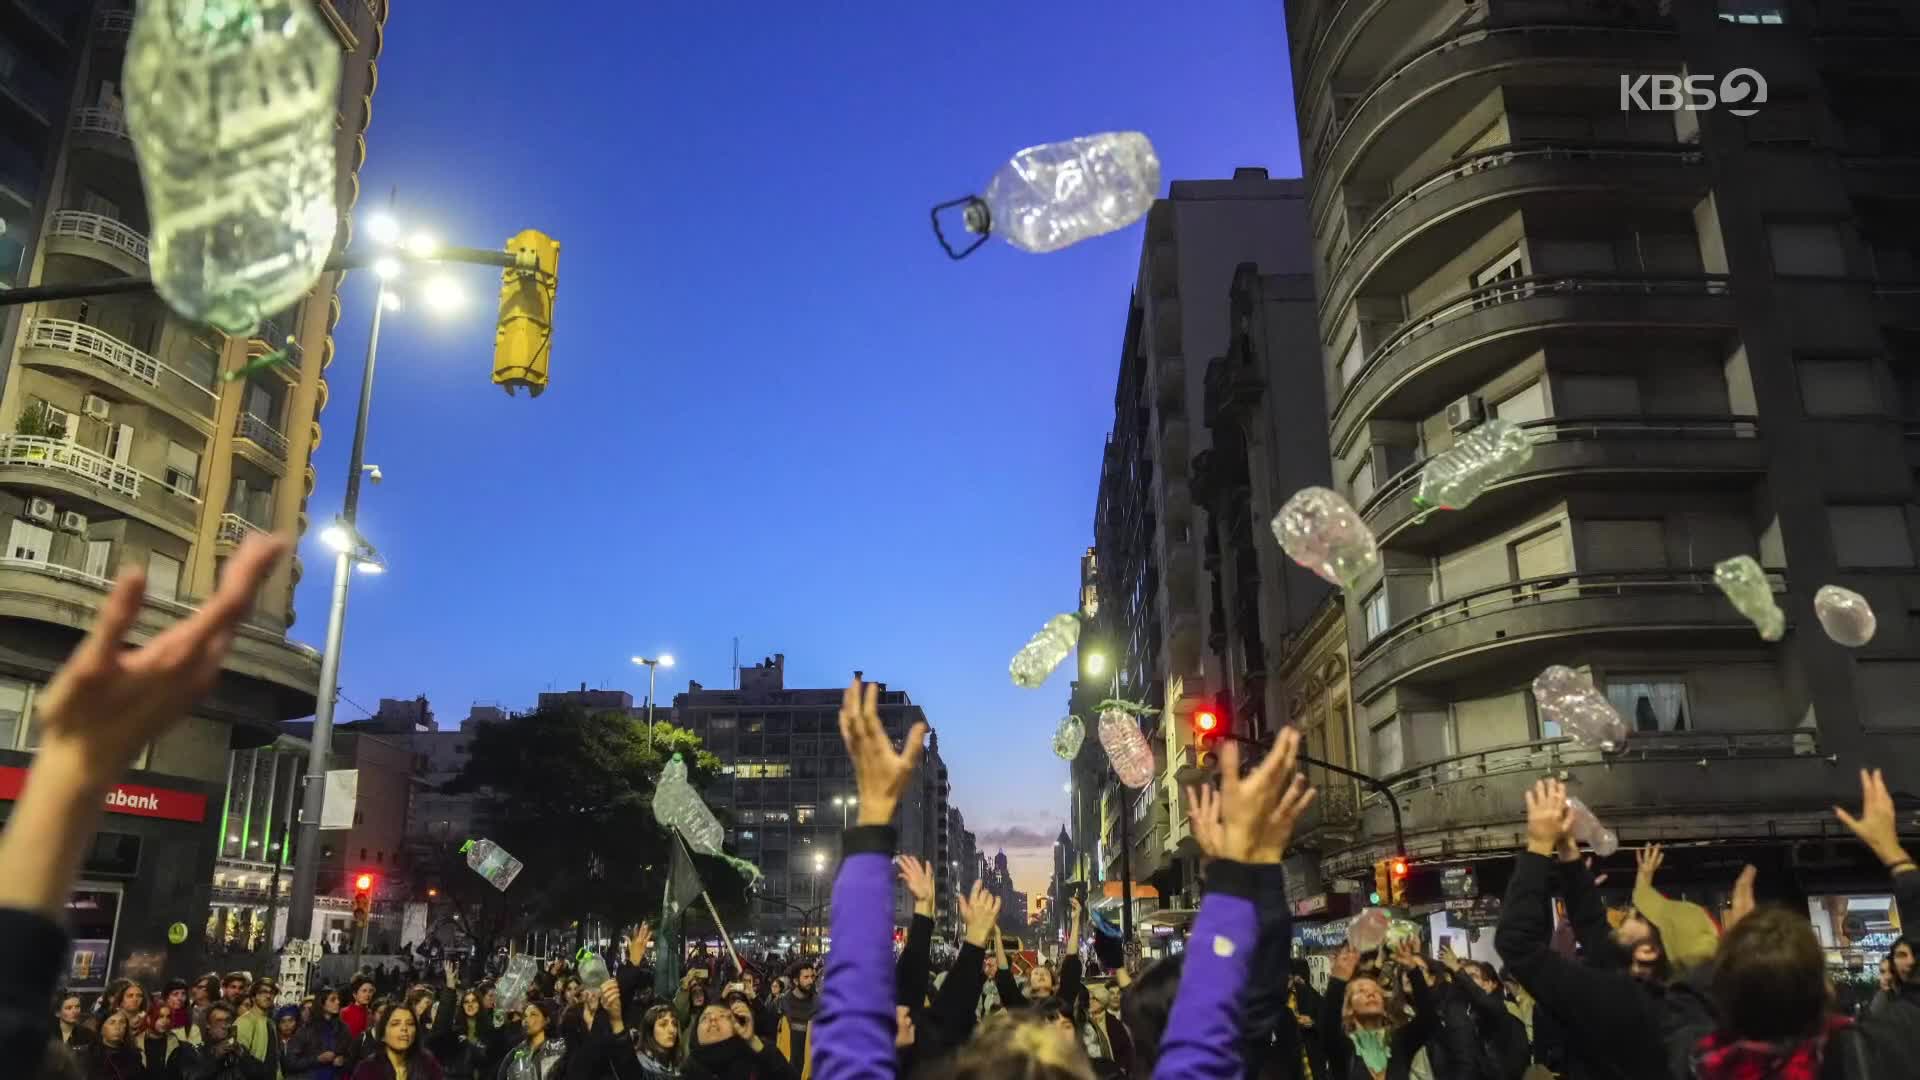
1664 989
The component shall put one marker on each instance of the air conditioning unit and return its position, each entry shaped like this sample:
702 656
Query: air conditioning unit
40 510
1465 412
95 406
72 522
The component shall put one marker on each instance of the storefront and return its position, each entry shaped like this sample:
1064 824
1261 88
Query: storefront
1855 931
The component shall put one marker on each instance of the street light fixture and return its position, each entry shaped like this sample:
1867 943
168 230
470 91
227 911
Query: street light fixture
653 667
1096 663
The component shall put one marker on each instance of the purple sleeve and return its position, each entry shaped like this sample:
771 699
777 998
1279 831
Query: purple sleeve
1202 1037
853 1036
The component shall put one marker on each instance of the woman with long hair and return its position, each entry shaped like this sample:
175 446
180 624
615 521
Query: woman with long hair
168 1051
68 1013
660 1050
402 1055
538 1055
117 1055
1371 1036
464 1039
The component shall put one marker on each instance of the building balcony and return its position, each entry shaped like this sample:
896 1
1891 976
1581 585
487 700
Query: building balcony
263 439
107 488
103 128
1411 235
1660 785
97 237
1632 452
65 345
1520 625
1458 343
112 25
234 529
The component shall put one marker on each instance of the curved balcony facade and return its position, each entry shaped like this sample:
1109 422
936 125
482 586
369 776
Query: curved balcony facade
77 348
69 472
97 237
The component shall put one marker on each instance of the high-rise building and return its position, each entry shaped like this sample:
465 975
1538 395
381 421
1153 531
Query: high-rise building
1153 606
438 822
123 447
787 790
1705 322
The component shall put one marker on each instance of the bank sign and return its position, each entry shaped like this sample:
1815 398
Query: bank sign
135 800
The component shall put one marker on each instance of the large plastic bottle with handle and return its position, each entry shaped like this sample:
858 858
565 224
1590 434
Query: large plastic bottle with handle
1055 195
491 861
677 806
592 968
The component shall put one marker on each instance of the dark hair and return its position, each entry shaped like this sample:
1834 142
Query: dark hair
1297 968
1487 971
354 984
219 1006
1010 1046
416 1051
1145 1009
1769 977
1049 1007
798 966
172 985
651 1047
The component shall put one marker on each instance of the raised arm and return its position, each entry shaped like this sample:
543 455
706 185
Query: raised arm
959 996
916 959
1071 974
1263 1009
1011 995
1878 827
853 1036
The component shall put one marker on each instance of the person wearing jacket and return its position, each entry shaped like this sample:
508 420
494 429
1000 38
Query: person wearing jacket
1367 1034
725 1047
222 1057
796 1009
117 1056
955 999
464 1039
402 1054
168 1054
1499 1050
256 1029
319 1050
538 1056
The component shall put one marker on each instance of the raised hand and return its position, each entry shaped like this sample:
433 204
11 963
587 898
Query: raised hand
880 772
637 944
1258 811
980 914
1203 817
919 879
1742 903
1548 817
1448 958
1877 826
1646 863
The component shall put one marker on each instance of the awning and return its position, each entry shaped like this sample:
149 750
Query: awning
1141 891
1177 918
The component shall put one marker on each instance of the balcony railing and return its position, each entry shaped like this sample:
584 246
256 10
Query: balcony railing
262 434
171 607
234 528
100 121
1564 429
65 335
114 22
100 229
62 456
1546 756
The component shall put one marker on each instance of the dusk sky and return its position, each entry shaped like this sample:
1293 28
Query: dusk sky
778 411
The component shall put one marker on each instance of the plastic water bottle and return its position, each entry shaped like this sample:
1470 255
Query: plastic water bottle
1569 698
1587 829
511 991
1480 459
1845 615
1126 747
1400 931
1058 194
593 969
1320 530
1068 737
1368 930
491 861
1034 662
677 806
230 106
1746 585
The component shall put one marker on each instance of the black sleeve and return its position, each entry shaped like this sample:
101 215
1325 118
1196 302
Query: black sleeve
1263 1000
1457 1031
959 995
31 949
1010 994
1426 1018
1587 915
916 959
1609 1004
1072 981
1339 1049
771 1066
1906 893
303 1050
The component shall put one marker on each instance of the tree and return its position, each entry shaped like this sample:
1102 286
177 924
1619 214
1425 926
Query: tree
571 795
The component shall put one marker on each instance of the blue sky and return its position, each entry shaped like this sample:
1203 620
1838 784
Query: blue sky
777 410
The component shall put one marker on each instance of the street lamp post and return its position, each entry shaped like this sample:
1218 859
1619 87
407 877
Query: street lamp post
653 667
845 803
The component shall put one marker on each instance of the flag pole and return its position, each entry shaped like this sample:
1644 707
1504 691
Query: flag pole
724 939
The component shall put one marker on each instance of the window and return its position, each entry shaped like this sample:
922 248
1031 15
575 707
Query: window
1886 691
29 542
1524 406
13 709
760 770
1377 620
1754 12
1811 249
1505 268
69 423
1839 388
1352 361
1870 536
1650 702
803 815
99 552
183 469
1598 395
1386 749
163 576
1542 555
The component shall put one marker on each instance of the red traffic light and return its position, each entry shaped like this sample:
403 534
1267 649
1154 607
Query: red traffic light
1399 868
363 883
1206 721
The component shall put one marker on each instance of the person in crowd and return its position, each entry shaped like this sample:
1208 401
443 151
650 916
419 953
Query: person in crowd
168 1053
1304 1004
1883 995
401 1055
796 1009
318 1050
174 996
1499 1048
222 1057
358 1013
463 1037
658 1048
538 1056
725 1047
71 1033
691 997
117 1056
233 989
307 1005
286 1024
255 1027
204 991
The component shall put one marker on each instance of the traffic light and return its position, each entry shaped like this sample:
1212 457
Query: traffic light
1210 722
1382 882
362 899
523 339
1397 878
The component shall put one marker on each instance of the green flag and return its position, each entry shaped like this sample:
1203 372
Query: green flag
683 887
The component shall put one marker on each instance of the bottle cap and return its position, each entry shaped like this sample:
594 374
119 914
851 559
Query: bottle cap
466 846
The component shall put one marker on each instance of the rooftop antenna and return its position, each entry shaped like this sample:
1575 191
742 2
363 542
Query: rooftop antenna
736 662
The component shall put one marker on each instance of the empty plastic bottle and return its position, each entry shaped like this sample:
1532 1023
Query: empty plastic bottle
230 105
1587 829
1746 585
1068 737
1845 615
1402 930
1058 194
1368 930
492 862
592 968
677 806
1569 698
1126 747
1478 460
1319 530
1037 659
511 991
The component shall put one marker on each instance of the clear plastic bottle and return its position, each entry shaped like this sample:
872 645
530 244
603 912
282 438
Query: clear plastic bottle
676 805
511 991
230 106
1746 585
1037 659
1569 698
593 970
491 861
1126 747
1068 737
1588 830
1058 194
1478 460
1368 930
1845 615
1320 530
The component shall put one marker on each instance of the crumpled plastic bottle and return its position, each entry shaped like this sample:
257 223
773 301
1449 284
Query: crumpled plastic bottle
1368 930
1478 460
1588 830
230 106
1068 737
1845 615
1126 747
1745 584
1320 530
510 993
592 969
1569 698
491 861
1055 195
677 806
1037 659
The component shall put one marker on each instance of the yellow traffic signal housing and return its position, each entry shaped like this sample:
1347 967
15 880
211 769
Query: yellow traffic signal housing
1383 880
523 339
